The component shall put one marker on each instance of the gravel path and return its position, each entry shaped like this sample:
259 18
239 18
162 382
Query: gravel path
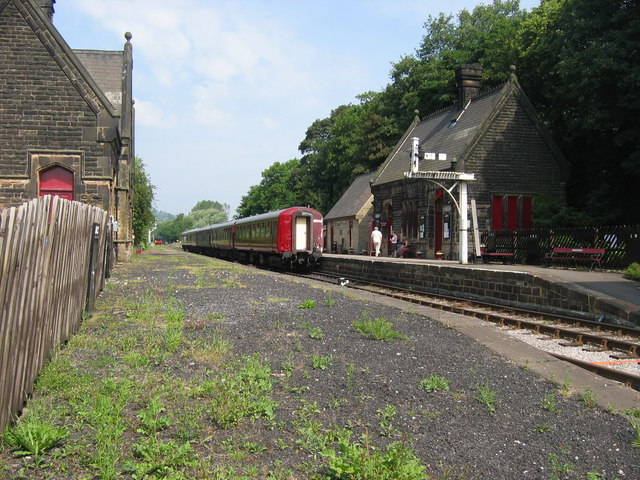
534 432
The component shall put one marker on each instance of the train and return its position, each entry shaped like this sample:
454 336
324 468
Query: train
291 238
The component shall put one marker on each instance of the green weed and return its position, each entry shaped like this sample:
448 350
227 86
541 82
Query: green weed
589 399
387 416
487 396
33 436
307 304
434 383
243 393
329 301
549 402
362 461
321 362
377 329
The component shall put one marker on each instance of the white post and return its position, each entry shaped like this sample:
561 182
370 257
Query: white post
415 154
464 224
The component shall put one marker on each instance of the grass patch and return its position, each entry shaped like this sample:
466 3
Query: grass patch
243 390
307 304
488 397
434 383
377 329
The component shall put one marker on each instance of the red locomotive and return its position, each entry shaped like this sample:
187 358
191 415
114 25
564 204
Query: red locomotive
291 238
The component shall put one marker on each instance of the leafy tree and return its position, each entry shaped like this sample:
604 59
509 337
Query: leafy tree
208 212
278 189
143 195
205 212
161 215
170 230
585 81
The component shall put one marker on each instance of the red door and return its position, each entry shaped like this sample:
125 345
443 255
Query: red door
57 181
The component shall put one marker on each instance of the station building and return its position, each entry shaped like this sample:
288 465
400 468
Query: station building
66 118
349 221
495 135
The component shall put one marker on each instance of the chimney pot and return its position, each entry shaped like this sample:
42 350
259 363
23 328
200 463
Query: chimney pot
469 82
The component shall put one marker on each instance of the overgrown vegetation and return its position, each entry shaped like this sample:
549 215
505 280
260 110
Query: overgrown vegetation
633 272
159 384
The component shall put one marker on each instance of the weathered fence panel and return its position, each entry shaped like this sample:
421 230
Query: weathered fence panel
45 285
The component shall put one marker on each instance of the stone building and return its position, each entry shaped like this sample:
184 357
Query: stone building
66 118
349 221
495 135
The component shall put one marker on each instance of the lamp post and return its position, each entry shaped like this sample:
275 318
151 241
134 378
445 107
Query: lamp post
461 180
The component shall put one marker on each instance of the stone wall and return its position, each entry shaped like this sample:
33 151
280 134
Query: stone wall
45 120
505 288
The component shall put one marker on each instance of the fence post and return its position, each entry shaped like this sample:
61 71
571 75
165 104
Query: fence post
93 260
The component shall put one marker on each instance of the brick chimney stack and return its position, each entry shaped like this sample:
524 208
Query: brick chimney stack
47 8
468 80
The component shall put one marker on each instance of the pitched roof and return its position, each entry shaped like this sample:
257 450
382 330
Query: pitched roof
47 33
105 67
449 131
353 199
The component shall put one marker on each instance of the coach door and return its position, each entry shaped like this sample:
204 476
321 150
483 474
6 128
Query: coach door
302 233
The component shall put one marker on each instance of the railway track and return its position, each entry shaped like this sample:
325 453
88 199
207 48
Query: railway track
622 344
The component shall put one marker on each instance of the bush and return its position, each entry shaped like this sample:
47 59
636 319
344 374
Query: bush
633 272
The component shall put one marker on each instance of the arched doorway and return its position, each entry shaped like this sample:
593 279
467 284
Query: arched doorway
56 180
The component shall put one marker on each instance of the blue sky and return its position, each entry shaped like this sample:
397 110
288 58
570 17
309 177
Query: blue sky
226 88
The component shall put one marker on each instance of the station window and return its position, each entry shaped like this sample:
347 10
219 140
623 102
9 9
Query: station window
410 218
511 212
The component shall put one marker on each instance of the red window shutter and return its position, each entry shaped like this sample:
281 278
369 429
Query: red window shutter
512 213
527 212
496 214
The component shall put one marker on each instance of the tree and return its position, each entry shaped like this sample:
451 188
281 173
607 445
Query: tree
170 230
586 84
143 195
208 212
278 189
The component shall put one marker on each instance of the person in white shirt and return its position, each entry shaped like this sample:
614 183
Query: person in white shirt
376 238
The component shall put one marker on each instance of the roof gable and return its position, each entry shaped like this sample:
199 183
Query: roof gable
456 132
61 53
353 199
449 131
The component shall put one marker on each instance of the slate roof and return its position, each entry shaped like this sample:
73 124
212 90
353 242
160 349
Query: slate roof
106 68
449 131
353 199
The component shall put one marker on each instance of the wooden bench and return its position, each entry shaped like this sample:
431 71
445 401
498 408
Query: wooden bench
504 257
575 255
491 251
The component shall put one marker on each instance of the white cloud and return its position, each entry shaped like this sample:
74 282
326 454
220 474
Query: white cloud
150 114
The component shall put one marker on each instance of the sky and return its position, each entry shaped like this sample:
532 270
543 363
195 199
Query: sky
223 89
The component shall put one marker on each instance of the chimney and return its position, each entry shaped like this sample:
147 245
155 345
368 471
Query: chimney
468 80
47 8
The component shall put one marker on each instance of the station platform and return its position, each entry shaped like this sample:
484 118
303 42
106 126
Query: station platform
597 292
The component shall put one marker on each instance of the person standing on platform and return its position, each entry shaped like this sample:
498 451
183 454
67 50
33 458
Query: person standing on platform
376 238
394 243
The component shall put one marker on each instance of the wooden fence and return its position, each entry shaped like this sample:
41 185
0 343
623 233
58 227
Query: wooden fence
52 266
621 243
